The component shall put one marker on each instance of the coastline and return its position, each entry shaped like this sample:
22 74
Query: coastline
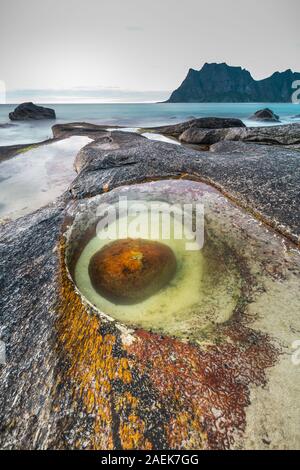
134 115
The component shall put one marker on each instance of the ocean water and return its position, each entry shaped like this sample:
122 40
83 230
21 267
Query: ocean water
133 115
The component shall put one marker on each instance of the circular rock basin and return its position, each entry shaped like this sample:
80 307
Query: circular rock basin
163 279
237 297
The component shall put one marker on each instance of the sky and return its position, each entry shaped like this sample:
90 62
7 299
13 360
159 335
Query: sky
137 50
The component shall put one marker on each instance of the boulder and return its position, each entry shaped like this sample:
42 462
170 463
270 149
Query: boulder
128 271
27 111
201 123
265 115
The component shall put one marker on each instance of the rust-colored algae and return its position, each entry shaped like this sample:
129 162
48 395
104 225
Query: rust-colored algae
93 369
207 390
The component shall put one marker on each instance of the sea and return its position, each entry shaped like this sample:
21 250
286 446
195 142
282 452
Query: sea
33 179
133 115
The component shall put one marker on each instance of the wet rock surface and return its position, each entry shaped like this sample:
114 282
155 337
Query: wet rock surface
257 179
7 125
30 111
202 123
80 128
9 151
288 135
74 379
89 155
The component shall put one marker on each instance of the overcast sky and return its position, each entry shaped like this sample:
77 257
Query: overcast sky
138 49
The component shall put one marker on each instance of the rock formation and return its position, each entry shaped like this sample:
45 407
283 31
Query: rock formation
28 111
176 130
221 83
80 128
76 379
265 115
275 135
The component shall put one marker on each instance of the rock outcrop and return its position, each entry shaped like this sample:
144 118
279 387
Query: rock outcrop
144 160
175 130
221 83
28 111
265 115
94 131
76 379
275 135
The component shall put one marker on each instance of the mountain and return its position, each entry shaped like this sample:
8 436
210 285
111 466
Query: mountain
221 83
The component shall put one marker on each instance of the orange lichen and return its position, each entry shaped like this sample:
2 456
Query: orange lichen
92 369
184 428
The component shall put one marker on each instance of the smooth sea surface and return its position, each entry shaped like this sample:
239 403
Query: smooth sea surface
133 115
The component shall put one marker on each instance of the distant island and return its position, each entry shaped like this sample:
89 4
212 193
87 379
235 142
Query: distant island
221 83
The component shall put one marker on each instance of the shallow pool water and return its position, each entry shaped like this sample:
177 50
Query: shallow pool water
203 292
36 177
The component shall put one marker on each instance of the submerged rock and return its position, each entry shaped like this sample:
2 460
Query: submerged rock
94 131
27 111
128 271
265 115
6 125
